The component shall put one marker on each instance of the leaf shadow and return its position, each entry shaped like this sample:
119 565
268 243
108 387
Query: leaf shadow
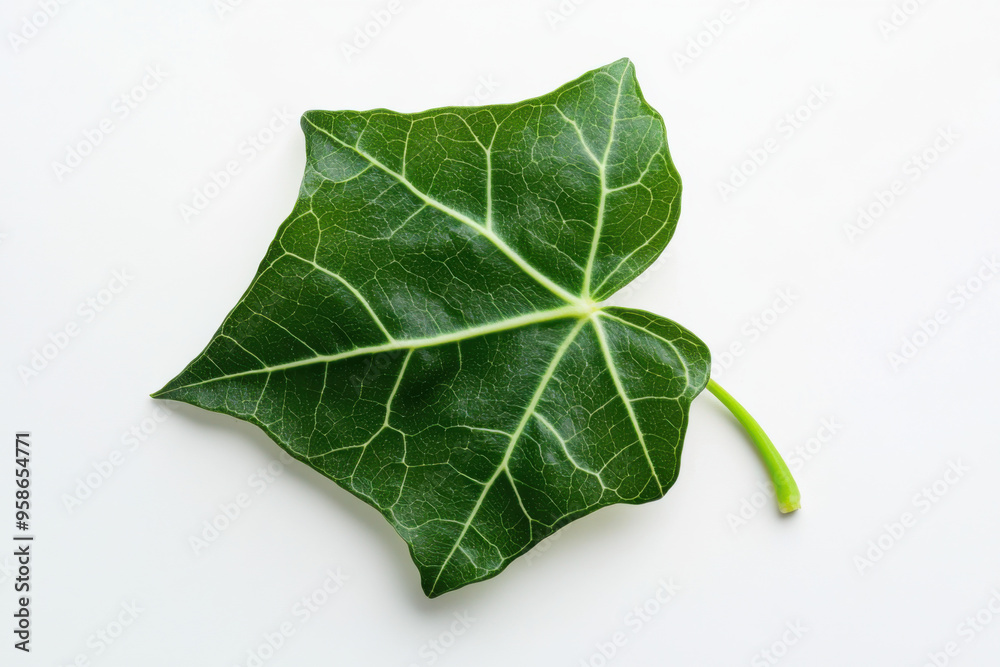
356 510
601 525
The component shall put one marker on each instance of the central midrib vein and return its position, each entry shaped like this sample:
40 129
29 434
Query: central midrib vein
565 312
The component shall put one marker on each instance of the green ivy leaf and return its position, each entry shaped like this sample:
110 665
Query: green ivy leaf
424 330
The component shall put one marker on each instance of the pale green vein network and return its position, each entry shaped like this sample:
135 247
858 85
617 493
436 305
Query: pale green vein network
353 290
613 369
545 486
536 397
670 343
565 447
464 219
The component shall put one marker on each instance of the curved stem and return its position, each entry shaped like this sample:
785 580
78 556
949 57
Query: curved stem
785 488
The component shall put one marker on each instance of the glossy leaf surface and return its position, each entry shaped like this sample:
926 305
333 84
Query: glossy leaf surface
424 329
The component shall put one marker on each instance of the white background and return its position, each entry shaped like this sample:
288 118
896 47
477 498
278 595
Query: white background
856 299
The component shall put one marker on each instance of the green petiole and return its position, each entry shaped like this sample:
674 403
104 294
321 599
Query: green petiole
786 490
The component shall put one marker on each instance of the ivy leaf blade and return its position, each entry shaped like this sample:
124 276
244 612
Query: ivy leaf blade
423 329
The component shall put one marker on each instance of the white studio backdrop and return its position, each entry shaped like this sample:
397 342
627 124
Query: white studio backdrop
838 251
